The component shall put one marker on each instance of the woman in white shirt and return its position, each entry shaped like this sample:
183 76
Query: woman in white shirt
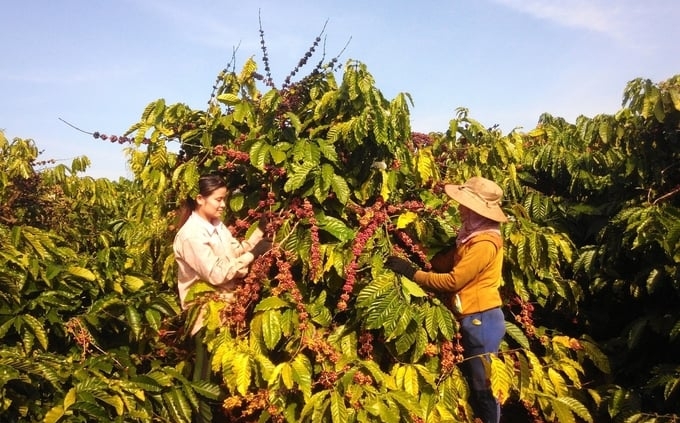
206 251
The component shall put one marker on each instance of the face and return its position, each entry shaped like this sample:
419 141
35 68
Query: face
464 212
212 206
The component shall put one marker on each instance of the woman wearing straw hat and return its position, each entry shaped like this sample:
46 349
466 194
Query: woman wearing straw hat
468 277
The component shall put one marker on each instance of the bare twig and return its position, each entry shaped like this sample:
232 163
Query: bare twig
75 127
666 195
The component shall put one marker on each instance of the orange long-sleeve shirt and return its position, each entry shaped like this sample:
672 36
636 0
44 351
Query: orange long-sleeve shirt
472 270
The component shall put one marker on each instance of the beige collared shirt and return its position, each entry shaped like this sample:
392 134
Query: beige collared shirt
208 252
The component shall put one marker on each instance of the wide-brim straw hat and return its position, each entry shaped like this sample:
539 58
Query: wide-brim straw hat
480 195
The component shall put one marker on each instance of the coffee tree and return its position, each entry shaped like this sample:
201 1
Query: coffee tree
320 331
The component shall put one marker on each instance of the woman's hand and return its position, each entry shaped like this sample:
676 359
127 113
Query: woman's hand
401 266
263 223
261 247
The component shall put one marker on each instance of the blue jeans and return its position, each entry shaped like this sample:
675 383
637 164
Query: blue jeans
481 335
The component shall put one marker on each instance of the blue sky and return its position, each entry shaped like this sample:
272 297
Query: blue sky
97 64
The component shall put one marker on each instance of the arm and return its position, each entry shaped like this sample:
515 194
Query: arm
443 261
210 267
474 259
248 244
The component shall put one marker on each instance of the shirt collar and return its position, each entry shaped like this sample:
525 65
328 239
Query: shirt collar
208 226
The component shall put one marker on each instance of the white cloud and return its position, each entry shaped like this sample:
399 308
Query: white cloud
608 18
205 25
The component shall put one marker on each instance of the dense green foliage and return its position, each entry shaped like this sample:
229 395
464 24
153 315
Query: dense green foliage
90 324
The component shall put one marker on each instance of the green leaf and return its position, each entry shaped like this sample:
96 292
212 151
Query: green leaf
177 405
341 189
278 155
236 201
259 152
378 287
295 121
327 149
302 374
516 333
316 405
37 329
386 414
444 321
271 328
134 320
92 409
114 401
299 176
133 283
335 227
146 383
153 318
339 412
271 303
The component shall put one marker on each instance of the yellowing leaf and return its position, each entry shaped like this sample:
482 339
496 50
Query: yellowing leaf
412 288
501 378
426 166
385 187
54 415
133 283
70 398
405 219
228 98
675 97
242 369
287 375
536 132
562 340
81 272
411 381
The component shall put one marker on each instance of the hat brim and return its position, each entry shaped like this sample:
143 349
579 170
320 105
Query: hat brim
467 199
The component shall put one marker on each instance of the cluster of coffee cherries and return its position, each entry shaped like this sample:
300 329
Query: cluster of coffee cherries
525 315
370 220
81 335
366 345
122 139
251 405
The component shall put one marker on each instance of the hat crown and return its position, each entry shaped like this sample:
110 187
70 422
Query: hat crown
486 190
480 195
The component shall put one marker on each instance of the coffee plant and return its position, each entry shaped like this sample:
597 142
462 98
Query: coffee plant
320 331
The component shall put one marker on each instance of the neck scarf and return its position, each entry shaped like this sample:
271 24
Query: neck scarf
476 224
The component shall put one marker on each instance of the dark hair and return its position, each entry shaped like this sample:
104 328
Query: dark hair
207 184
